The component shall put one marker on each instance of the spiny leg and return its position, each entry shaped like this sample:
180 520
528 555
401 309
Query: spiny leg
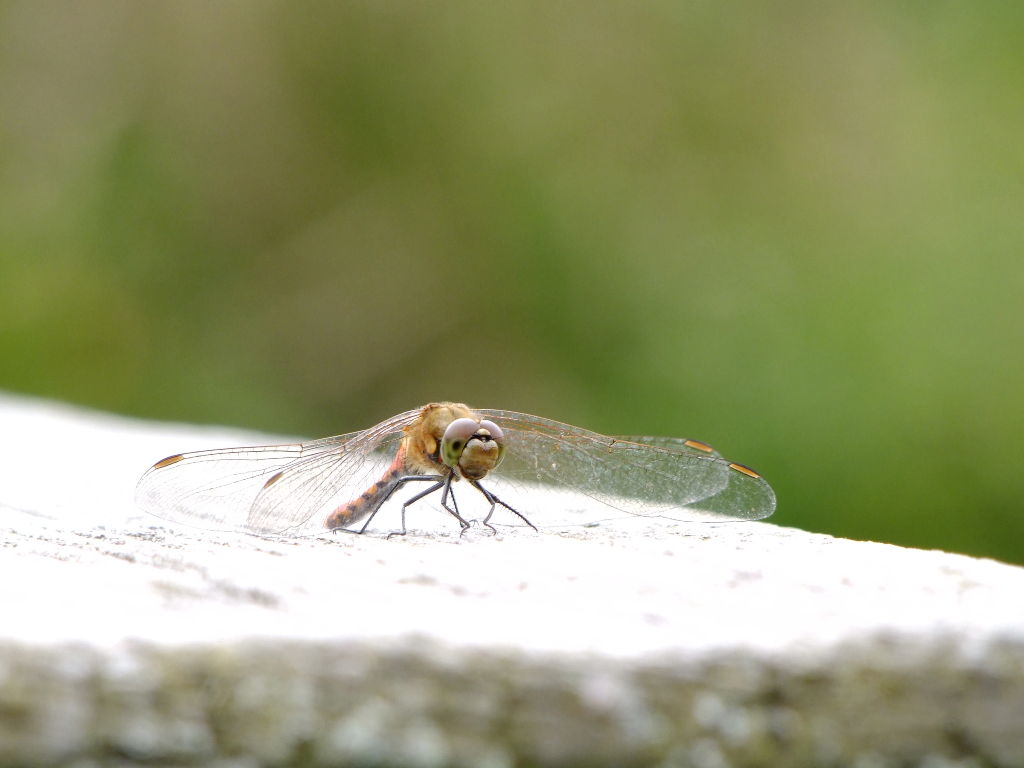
494 502
448 491
451 492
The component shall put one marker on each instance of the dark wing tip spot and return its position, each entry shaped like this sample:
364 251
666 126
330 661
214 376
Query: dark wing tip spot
273 479
745 470
698 445
168 461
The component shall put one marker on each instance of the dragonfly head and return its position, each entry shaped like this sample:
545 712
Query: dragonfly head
472 448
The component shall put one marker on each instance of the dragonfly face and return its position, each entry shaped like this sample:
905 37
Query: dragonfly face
472 448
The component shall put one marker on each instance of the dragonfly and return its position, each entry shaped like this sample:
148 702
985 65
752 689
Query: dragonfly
336 483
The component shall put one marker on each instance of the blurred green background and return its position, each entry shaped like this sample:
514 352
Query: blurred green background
793 230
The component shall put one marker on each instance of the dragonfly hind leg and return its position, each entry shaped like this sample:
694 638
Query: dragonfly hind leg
495 501
395 485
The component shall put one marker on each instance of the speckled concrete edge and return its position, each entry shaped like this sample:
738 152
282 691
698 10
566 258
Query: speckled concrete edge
888 701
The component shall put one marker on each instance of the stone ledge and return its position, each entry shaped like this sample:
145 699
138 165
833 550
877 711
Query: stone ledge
882 702
124 640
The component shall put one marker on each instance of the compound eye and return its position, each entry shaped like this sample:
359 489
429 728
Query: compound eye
455 438
496 434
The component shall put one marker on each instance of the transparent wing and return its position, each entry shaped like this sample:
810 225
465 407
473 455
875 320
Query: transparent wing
273 489
696 447
650 477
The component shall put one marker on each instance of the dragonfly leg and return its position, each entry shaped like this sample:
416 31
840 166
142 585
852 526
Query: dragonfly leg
495 501
446 483
451 493
414 499
444 503
398 483
438 483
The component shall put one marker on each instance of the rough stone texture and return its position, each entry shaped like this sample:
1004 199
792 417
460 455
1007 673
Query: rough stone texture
124 640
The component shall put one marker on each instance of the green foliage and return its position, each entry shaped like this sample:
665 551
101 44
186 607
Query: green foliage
791 230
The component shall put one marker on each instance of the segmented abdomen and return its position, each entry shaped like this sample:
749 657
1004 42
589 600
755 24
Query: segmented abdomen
355 510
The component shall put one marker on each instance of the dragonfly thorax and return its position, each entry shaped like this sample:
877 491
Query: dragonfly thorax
450 438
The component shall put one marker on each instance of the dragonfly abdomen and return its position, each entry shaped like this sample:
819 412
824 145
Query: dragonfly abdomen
371 499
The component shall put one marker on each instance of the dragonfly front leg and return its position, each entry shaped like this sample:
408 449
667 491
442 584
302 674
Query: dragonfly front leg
495 501
451 493
444 503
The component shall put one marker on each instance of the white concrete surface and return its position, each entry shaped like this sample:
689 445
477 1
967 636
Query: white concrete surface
731 622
